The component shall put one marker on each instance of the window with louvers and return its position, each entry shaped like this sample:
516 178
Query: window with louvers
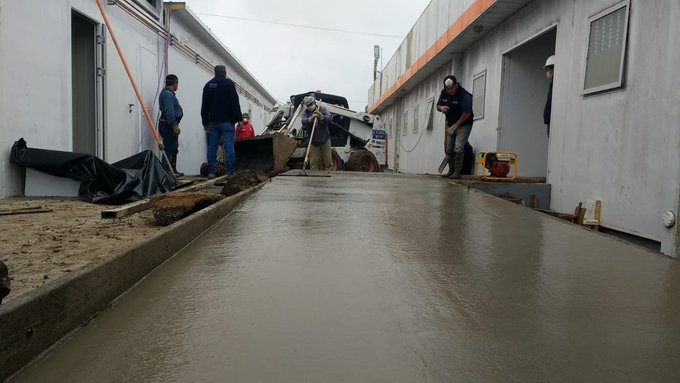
479 94
416 116
606 49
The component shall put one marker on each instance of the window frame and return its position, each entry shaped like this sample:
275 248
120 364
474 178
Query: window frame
416 116
154 10
429 114
474 78
624 46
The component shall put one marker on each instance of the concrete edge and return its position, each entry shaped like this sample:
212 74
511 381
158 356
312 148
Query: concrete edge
563 222
35 321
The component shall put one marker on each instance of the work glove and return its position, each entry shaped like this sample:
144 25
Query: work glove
318 115
313 118
176 131
451 130
444 109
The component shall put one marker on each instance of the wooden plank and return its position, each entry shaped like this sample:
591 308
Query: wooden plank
142 205
24 211
128 209
21 209
581 214
594 208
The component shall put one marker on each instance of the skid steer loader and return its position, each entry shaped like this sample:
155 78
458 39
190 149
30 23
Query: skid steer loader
359 140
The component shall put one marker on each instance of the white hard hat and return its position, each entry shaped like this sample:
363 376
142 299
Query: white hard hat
550 61
308 100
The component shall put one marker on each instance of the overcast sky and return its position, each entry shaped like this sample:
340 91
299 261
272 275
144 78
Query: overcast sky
289 60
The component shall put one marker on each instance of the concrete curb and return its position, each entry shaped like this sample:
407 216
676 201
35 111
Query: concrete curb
32 323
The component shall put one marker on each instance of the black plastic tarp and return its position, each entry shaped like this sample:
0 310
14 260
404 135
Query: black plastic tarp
128 180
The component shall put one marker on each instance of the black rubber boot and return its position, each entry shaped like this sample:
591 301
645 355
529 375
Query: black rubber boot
458 166
173 162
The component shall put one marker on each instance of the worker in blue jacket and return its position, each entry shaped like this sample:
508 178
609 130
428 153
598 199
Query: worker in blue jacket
220 110
171 115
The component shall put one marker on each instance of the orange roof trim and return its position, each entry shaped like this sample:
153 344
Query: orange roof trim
465 20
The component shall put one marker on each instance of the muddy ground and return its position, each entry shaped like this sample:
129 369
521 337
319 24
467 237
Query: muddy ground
38 248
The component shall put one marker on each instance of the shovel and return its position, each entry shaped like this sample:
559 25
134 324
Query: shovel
446 145
309 146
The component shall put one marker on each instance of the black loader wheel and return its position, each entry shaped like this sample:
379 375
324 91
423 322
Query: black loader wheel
338 163
362 161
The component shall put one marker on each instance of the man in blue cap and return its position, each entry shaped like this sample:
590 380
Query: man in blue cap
171 115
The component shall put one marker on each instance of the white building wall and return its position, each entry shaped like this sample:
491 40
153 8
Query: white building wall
35 84
36 87
620 146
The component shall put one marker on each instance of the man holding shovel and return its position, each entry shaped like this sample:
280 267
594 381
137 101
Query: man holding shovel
315 117
456 104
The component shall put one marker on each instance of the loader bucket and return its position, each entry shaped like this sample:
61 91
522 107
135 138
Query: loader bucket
264 154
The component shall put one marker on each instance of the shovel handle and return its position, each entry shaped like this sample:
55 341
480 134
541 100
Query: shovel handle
309 145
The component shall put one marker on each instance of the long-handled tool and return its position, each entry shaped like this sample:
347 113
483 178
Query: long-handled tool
446 147
152 127
309 146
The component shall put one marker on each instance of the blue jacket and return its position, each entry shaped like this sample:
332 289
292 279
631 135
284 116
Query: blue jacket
171 111
321 133
220 102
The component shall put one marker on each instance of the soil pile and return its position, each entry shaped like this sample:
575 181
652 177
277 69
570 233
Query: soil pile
170 208
241 181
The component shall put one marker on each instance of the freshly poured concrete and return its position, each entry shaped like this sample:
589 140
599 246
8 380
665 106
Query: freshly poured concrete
391 279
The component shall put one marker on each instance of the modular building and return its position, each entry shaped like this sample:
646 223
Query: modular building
63 86
614 132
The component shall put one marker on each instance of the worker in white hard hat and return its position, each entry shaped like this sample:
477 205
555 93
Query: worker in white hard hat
320 150
456 104
549 68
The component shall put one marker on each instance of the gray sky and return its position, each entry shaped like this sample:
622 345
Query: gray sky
289 60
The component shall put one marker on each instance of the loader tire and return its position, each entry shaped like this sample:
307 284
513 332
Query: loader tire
338 163
362 161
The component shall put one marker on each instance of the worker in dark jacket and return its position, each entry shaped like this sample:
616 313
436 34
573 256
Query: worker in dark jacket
171 115
220 110
456 104
549 68
321 141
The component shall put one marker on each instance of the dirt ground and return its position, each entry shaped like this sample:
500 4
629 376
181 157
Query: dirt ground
41 247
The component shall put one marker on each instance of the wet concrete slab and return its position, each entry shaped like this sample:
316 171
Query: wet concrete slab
394 279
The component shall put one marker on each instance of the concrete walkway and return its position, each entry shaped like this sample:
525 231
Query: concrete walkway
386 279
